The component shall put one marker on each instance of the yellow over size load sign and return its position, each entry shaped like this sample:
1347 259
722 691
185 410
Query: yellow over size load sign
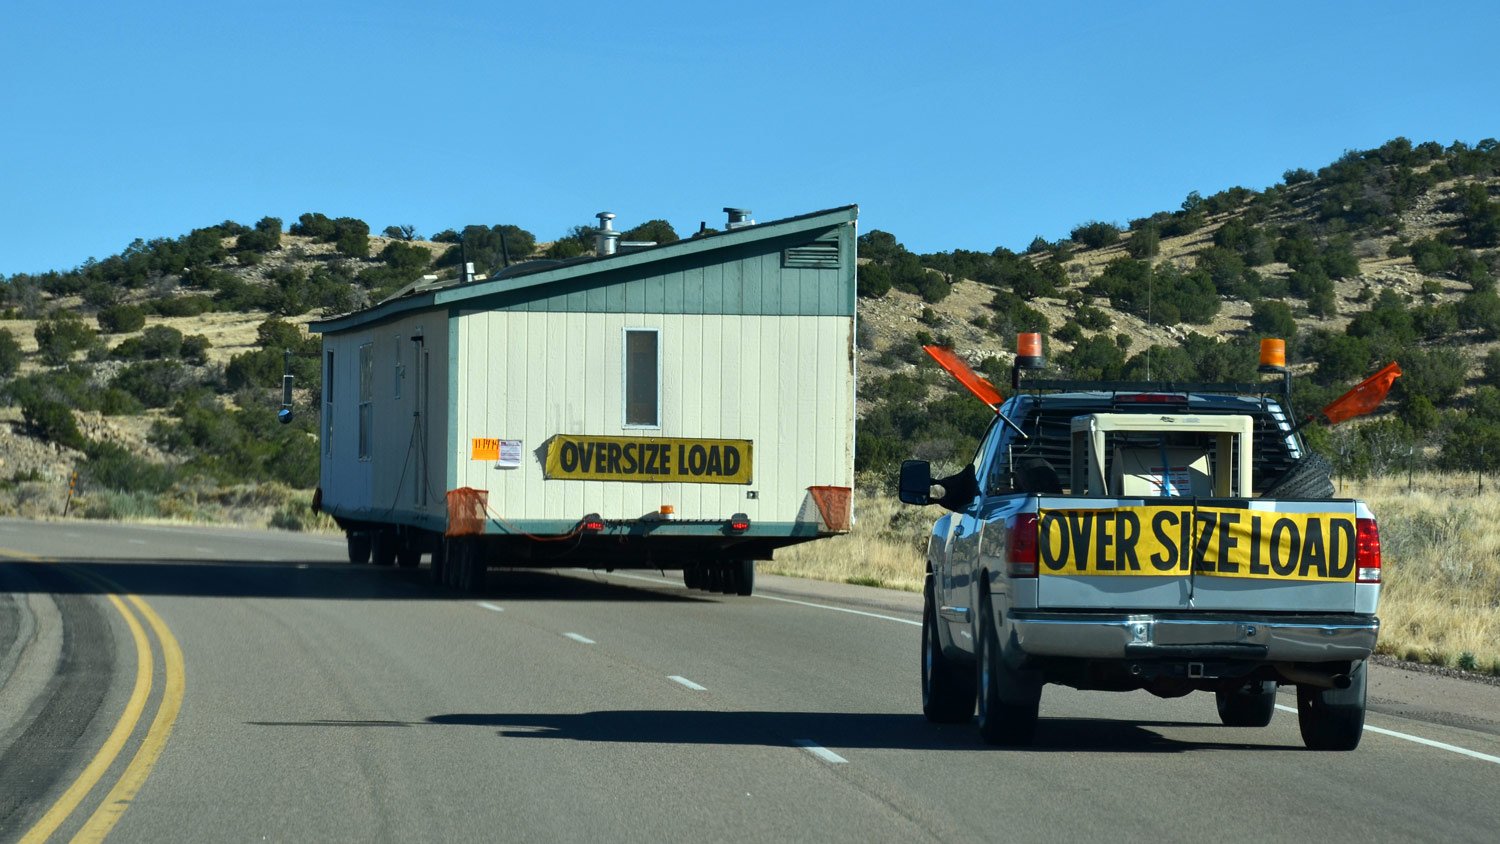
1213 541
649 459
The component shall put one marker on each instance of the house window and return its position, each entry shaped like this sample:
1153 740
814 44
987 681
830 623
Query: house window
642 378
328 405
366 398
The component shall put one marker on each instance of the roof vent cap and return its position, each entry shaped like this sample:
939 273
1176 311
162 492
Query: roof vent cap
739 218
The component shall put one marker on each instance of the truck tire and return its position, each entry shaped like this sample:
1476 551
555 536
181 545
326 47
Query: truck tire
359 547
1249 705
1310 477
408 551
691 575
947 689
744 578
383 547
1008 701
713 576
1333 719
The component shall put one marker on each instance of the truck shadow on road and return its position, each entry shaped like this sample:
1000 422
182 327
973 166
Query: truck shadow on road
312 581
843 730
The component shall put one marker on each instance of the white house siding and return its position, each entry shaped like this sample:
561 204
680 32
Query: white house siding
378 486
784 382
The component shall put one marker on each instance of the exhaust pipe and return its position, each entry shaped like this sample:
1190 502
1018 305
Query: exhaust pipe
1293 673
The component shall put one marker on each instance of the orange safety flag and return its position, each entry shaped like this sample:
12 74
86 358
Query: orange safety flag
977 384
1365 397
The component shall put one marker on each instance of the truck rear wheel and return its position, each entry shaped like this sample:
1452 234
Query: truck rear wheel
1008 701
383 547
947 689
1333 719
744 578
359 547
1249 705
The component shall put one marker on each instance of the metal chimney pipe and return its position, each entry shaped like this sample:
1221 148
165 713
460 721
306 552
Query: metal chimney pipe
607 238
739 217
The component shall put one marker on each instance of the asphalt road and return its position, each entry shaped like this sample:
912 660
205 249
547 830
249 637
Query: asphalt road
326 702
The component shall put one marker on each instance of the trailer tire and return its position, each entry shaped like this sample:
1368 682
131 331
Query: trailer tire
1333 719
744 580
439 560
691 575
729 582
359 547
1249 705
947 688
713 576
469 576
1310 477
409 551
383 544
1008 700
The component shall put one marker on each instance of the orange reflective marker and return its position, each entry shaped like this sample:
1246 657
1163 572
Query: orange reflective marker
1272 354
1365 397
976 383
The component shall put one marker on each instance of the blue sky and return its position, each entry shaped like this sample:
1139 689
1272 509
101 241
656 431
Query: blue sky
952 125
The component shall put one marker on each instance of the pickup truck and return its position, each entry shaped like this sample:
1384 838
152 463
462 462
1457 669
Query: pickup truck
1163 537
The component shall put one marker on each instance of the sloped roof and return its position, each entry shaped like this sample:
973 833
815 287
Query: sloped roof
524 277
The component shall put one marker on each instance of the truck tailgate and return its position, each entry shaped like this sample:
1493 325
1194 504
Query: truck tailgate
1198 554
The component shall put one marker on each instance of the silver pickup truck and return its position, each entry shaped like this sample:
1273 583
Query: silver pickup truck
1171 538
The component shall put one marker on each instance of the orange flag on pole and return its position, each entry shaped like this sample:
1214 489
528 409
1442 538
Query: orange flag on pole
976 383
1365 397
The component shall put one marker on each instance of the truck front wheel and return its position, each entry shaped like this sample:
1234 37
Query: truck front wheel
1248 705
947 689
1008 700
1333 719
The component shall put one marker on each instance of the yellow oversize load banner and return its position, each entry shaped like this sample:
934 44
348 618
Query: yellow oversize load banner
1213 541
649 459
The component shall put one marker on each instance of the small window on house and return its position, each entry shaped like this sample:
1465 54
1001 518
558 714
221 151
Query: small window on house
366 398
642 378
328 405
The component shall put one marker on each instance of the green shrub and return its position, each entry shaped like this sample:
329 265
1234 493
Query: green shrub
1144 243
60 335
10 354
1273 319
874 281
52 421
121 319
1096 234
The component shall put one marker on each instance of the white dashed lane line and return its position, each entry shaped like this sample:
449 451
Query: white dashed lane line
137 542
491 607
821 752
683 681
581 639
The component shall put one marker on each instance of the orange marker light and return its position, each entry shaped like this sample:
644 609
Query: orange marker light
1272 355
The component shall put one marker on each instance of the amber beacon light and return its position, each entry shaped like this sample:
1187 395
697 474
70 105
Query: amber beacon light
1272 355
1029 351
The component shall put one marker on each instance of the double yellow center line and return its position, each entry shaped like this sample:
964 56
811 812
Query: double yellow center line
134 611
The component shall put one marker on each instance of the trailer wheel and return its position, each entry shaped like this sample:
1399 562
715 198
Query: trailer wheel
730 582
409 551
439 555
383 547
1250 705
1333 719
466 559
359 547
1008 701
692 575
744 577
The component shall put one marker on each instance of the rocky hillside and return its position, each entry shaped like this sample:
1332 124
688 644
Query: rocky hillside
151 367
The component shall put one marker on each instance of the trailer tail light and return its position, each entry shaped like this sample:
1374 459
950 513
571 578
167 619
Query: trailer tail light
1367 551
592 523
739 523
1020 551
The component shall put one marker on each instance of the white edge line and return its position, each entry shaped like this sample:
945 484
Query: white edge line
686 682
820 751
581 639
785 600
1463 751
489 606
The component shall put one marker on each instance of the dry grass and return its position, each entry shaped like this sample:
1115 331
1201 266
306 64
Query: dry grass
1440 546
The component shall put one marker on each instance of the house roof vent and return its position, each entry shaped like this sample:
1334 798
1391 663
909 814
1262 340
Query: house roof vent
606 239
738 218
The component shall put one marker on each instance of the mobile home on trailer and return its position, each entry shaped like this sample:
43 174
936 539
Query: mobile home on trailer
686 406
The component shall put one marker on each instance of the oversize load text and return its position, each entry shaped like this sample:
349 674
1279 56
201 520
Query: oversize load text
1165 541
651 459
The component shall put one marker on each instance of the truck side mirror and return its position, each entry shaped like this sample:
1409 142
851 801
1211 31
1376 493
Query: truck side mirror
915 485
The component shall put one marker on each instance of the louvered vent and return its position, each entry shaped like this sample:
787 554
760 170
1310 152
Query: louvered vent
814 256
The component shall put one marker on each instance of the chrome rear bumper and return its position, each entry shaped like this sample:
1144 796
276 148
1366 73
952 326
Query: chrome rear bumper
1293 638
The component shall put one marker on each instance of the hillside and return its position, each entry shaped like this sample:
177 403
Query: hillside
153 372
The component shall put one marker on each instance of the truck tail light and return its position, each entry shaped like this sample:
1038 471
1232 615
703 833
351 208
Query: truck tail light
592 523
1020 552
739 523
1367 551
